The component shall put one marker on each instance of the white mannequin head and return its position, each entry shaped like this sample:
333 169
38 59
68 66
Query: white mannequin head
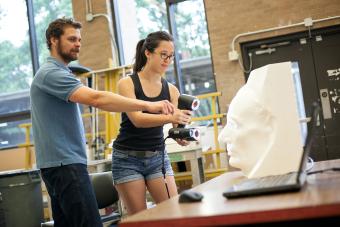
248 124
263 134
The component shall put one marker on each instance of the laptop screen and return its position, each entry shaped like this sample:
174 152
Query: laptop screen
315 110
300 101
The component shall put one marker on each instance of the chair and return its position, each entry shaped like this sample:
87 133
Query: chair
106 195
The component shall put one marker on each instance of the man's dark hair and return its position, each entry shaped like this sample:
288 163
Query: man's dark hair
56 28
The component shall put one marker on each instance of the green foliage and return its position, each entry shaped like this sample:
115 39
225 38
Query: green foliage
45 12
190 24
15 62
14 67
156 12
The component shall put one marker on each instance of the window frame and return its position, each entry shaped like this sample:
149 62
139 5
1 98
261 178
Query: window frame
170 5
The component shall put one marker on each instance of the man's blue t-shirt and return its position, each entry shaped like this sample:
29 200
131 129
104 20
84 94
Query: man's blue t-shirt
57 124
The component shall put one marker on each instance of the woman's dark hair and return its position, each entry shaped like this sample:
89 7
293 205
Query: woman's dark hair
150 43
56 28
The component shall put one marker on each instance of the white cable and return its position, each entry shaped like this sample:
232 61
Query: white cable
277 28
261 31
113 41
90 6
311 161
87 6
115 49
250 64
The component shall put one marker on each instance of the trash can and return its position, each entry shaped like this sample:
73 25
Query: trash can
21 202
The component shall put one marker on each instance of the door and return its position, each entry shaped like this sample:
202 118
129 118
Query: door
318 57
326 53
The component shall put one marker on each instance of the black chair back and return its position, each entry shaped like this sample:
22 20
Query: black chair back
104 189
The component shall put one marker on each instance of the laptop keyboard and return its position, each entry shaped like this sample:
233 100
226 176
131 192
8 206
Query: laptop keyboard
265 182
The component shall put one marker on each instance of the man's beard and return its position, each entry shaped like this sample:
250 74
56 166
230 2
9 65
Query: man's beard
66 56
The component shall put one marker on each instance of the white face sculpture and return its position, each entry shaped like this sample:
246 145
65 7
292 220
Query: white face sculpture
263 134
248 131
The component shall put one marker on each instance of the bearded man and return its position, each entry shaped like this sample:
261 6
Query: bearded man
58 130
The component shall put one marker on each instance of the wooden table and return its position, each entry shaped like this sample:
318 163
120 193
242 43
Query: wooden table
98 166
318 199
192 153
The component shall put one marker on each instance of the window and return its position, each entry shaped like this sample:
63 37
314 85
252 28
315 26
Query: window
144 16
192 44
16 70
15 58
191 40
44 13
193 47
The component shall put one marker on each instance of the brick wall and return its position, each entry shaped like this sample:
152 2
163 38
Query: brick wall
96 51
228 18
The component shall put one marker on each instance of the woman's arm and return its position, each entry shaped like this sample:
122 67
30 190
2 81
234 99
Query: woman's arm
146 120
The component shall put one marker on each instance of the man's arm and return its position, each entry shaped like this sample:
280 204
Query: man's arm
116 103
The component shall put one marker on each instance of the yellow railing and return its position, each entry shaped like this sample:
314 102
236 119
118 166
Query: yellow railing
109 78
214 116
27 145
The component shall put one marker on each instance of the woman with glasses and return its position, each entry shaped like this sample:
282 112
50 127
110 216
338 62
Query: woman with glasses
139 150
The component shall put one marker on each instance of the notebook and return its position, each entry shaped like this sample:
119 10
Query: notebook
293 181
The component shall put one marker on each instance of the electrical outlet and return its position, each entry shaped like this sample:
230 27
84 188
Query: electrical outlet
233 55
308 22
89 17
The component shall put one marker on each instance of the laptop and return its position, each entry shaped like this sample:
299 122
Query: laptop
293 181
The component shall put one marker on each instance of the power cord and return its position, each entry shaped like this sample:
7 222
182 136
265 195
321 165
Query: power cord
311 161
163 168
250 63
324 170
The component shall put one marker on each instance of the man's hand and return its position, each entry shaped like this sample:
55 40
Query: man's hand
181 117
164 107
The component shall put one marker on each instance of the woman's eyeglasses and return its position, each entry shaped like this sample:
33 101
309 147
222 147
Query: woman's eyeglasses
164 56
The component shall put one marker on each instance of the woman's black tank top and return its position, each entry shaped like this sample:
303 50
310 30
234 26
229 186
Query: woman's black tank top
142 139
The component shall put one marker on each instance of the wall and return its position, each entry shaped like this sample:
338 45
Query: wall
228 18
97 50
14 159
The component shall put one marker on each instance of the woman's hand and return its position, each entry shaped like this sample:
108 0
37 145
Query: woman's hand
182 142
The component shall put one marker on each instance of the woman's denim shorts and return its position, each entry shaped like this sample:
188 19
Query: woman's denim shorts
129 167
